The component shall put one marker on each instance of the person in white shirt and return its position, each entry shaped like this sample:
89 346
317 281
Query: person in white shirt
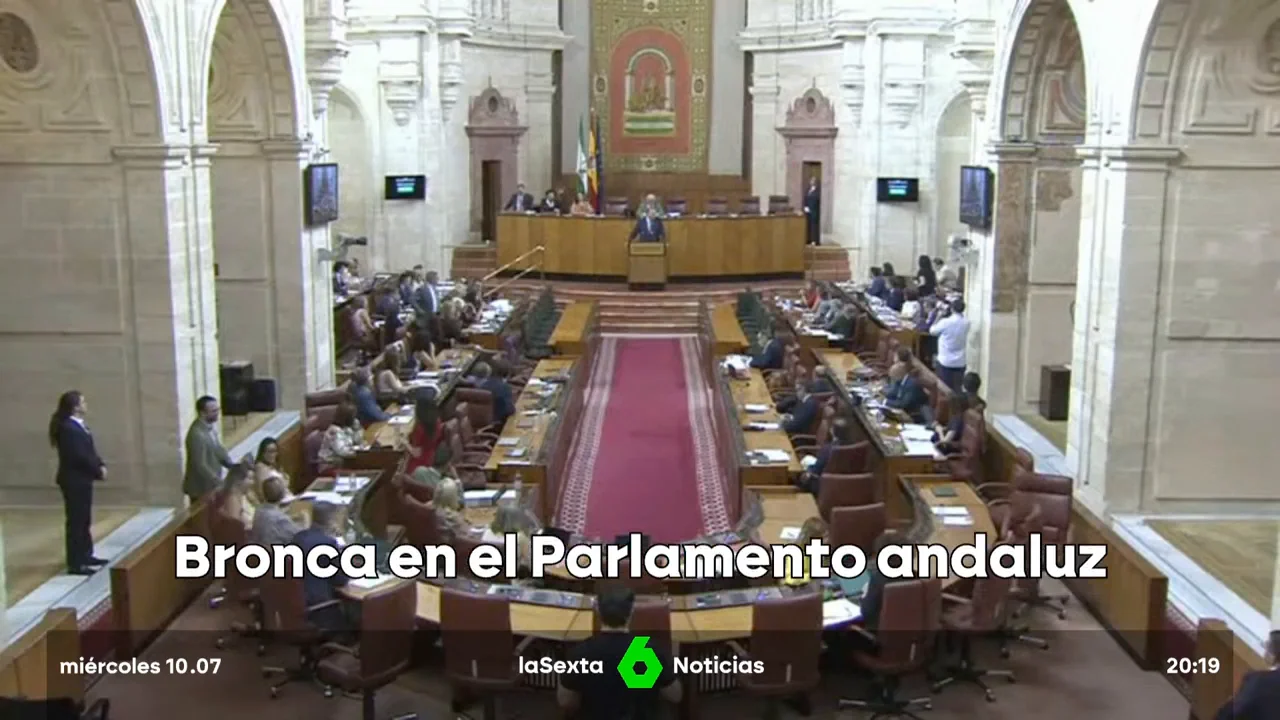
952 331
947 276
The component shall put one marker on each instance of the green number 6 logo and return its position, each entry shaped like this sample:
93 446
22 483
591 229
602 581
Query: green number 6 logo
637 653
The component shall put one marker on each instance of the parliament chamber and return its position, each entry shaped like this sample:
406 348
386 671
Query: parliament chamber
708 279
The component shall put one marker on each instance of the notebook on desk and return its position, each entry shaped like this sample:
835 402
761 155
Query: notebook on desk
944 491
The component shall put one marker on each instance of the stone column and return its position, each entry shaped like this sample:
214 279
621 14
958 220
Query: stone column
850 185
169 250
1116 315
535 153
1003 270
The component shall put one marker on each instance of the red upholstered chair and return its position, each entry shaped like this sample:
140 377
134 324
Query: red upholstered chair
852 490
472 441
479 408
717 206
320 417
905 642
966 465
335 396
242 592
812 444
468 466
786 636
387 620
858 526
1052 495
286 620
850 459
480 650
982 614
420 524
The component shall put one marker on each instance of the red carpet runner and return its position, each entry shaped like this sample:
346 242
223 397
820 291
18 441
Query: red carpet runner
644 459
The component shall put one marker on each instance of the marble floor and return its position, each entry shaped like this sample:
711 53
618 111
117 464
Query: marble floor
1239 553
32 538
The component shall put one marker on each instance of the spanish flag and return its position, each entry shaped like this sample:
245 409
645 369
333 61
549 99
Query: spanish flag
595 165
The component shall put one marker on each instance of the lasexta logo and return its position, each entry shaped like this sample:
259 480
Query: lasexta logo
639 653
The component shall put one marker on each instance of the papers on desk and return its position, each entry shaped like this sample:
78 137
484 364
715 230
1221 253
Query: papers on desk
953 515
428 375
839 612
739 363
350 483
911 431
807 461
400 420
764 426
919 447
756 408
508 441
485 498
789 533
370 583
773 456
533 382
326 496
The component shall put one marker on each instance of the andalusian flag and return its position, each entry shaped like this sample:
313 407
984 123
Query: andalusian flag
595 165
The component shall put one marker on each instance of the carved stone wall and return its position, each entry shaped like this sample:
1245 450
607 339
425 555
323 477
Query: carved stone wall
494 129
1011 227
810 136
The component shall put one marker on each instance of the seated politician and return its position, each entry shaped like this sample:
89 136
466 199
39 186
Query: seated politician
906 395
949 435
324 608
520 201
844 322
649 228
271 524
605 695
879 287
582 207
550 204
771 355
841 434
1259 693
808 406
363 397
504 401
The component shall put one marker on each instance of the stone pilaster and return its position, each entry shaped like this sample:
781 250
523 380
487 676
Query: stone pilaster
1116 311
173 308
765 92
327 50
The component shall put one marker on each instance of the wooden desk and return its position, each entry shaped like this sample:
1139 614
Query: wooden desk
727 337
529 432
755 391
396 434
696 247
889 452
571 331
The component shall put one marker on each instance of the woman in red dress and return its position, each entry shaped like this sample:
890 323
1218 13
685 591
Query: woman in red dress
427 432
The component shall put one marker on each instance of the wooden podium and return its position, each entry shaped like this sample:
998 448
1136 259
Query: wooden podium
647 265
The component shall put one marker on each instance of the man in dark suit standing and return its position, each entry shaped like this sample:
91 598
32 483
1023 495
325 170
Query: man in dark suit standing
79 467
426 300
649 227
520 201
1259 693
813 213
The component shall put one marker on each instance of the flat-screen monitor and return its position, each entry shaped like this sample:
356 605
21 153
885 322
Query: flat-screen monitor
320 198
406 187
976 196
890 190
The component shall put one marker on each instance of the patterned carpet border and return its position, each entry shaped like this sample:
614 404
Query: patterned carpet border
572 511
711 489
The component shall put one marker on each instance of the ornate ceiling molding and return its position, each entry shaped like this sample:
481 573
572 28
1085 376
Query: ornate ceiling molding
784 37
518 37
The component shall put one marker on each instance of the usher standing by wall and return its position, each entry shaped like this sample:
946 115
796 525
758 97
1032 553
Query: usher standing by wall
813 213
79 467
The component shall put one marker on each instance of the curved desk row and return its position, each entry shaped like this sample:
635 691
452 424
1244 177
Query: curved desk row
696 247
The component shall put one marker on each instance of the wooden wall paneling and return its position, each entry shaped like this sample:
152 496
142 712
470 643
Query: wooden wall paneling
27 664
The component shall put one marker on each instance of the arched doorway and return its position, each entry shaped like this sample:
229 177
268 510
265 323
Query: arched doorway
1042 121
263 266
91 295
350 146
955 142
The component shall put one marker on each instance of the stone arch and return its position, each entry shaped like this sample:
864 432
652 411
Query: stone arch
1043 44
952 124
810 136
351 146
266 29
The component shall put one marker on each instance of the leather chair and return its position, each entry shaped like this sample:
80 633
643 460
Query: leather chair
836 490
387 618
749 206
786 636
677 206
779 204
812 444
616 206
859 526
243 592
984 613
334 397
321 417
480 651
851 459
1026 520
905 642
469 466
1052 494
479 408
420 524
311 444
717 206
286 620
472 441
